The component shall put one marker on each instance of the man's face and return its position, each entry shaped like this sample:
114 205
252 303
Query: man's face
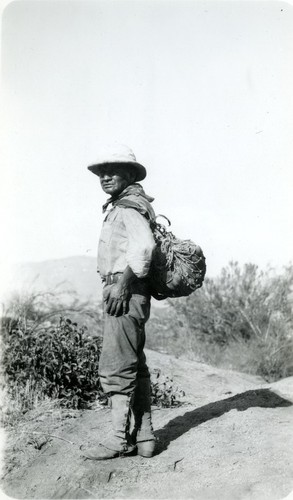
114 179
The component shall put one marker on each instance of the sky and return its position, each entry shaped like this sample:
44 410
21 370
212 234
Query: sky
202 93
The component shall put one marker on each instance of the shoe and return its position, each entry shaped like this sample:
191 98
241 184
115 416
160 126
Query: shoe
100 452
118 442
146 448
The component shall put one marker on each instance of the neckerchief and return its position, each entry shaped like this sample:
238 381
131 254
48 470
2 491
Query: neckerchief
133 189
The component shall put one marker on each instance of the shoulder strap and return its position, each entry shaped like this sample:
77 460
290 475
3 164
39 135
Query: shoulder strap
143 211
131 204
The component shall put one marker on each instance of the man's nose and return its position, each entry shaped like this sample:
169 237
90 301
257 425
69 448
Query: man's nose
106 176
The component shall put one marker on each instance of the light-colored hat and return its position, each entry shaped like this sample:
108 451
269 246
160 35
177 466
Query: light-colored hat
120 154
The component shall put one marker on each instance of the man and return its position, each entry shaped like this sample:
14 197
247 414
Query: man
124 258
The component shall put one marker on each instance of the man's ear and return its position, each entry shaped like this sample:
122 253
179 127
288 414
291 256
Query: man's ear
132 175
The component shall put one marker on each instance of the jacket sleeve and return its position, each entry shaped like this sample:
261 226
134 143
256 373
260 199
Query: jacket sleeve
140 242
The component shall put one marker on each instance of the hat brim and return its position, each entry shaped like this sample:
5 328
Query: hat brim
140 169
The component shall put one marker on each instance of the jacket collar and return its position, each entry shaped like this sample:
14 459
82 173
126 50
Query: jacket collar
133 189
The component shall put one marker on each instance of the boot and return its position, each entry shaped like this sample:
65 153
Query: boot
118 442
143 434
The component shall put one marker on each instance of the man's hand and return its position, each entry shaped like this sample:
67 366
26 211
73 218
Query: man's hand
117 298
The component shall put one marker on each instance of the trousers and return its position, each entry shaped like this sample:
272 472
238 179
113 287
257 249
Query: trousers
122 359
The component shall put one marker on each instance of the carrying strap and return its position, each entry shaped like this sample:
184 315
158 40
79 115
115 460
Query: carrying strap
131 204
143 211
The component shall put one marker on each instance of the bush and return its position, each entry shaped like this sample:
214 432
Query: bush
244 311
59 362
164 393
36 308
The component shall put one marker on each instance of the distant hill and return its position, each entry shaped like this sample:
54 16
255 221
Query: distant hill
77 274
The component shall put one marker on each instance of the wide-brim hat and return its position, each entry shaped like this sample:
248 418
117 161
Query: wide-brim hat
120 155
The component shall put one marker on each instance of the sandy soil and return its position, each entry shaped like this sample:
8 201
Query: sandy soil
233 439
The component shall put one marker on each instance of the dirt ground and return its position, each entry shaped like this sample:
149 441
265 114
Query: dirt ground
232 439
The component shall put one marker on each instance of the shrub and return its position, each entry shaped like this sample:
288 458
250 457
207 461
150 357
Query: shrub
246 309
164 392
238 304
36 308
60 362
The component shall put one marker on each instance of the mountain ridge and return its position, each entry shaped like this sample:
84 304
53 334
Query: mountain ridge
75 273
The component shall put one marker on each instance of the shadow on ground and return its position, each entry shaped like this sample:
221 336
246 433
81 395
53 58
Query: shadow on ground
263 398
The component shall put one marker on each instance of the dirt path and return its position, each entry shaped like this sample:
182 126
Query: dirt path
233 440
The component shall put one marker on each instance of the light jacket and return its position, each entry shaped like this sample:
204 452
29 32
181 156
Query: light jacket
126 238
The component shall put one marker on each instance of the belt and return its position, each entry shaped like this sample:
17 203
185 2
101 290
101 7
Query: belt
139 286
109 279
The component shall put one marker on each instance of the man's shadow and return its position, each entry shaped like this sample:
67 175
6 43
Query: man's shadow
263 398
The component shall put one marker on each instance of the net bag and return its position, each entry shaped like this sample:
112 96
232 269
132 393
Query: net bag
178 266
